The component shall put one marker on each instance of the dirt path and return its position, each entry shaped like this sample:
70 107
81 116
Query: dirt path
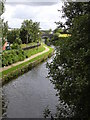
33 56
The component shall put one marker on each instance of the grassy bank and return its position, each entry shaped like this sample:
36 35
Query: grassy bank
20 69
34 50
27 45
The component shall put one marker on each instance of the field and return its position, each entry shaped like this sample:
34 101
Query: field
64 35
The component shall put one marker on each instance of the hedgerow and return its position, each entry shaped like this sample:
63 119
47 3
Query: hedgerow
12 56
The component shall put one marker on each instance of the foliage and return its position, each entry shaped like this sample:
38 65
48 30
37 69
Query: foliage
34 51
29 31
5 29
71 66
58 30
12 56
18 70
1 7
3 25
18 41
55 38
28 45
15 46
46 112
12 35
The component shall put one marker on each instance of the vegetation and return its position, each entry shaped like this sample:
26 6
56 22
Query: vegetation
64 35
70 69
12 56
34 50
12 35
4 29
29 44
3 25
29 31
1 7
17 54
20 69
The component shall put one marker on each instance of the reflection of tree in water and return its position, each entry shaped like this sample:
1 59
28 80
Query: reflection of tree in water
63 111
4 106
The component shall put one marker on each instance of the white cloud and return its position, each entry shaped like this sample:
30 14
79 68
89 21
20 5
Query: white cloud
46 15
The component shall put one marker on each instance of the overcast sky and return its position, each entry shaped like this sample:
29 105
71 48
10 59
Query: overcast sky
45 12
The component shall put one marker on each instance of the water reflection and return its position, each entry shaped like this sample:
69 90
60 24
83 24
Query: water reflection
29 95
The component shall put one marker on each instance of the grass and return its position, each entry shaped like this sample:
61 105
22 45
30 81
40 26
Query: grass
35 50
27 45
5 72
64 35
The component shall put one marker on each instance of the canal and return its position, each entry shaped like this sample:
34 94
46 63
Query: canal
30 94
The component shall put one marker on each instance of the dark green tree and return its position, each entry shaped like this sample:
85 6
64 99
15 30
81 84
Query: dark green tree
70 69
3 25
36 32
5 29
29 31
26 31
12 35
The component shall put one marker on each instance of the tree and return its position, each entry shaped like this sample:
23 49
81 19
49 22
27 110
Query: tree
36 32
18 41
29 31
13 35
26 31
5 29
1 7
2 24
71 66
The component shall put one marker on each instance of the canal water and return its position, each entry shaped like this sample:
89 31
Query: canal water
30 94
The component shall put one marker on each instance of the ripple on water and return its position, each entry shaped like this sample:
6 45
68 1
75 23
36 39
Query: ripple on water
29 95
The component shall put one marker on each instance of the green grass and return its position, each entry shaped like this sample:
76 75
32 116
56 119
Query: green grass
33 51
5 72
27 45
64 35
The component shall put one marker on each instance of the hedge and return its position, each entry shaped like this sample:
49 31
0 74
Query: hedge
12 56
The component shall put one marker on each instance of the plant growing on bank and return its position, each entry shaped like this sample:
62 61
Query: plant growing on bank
20 69
12 56
18 41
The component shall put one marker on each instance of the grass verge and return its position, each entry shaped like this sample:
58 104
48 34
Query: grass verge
35 50
27 45
15 71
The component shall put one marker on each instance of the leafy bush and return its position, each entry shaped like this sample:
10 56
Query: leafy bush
15 46
12 35
18 41
12 56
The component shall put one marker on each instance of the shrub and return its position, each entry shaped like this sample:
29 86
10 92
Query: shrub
18 41
12 56
15 46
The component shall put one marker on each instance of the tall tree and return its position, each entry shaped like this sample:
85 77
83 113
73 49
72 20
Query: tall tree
5 29
1 21
13 35
71 66
36 32
29 31
25 32
1 7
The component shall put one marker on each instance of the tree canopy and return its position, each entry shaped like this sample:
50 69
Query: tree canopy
70 69
29 31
